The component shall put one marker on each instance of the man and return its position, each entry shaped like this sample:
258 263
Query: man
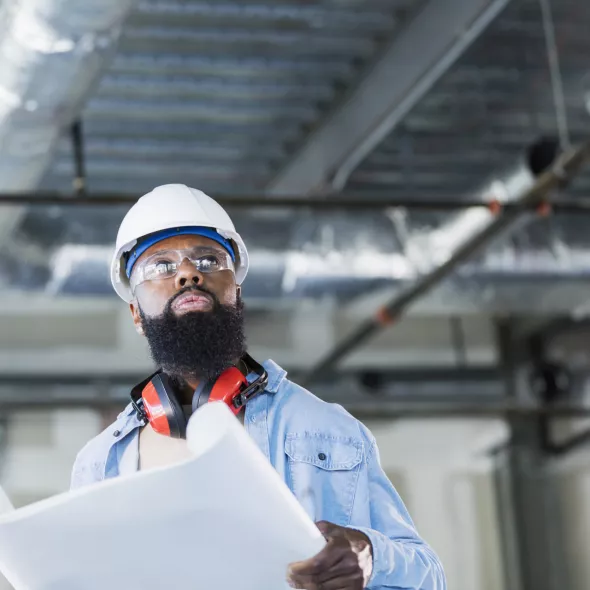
179 264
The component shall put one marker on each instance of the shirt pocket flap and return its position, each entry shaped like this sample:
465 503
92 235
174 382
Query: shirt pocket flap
331 454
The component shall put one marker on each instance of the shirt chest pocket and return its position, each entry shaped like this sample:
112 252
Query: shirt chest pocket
323 474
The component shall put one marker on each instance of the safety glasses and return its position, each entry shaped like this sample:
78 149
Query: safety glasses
165 264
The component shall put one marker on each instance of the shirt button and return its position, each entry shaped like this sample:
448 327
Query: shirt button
116 433
322 457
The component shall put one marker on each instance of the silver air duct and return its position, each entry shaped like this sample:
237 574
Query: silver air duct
52 53
348 257
427 248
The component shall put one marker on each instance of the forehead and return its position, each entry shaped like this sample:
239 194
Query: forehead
181 243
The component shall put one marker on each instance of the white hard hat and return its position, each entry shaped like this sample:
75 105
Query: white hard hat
166 207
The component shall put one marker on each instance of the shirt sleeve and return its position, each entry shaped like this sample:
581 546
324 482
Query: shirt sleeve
401 559
85 471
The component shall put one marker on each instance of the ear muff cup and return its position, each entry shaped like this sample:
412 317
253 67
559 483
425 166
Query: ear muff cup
163 410
155 401
224 389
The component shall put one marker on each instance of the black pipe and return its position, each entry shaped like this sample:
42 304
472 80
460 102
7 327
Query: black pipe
537 342
344 202
391 409
78 150
563 170
374 409
424 374
578 440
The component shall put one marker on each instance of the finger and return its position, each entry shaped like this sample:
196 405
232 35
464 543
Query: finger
330 555
301 585
331 530
348 582
326 527
306 582
352 581
346 567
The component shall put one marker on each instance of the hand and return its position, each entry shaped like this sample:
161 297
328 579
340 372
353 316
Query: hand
345 563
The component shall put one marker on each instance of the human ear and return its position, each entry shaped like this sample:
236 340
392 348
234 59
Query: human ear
134 309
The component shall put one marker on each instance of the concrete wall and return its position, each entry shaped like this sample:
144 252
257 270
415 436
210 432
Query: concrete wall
446 481
41 447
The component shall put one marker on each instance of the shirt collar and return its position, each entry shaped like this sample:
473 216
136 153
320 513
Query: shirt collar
276 376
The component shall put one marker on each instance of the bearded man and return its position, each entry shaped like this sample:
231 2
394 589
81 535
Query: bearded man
179 264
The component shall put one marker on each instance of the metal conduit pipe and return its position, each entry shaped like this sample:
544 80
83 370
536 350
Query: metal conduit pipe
344 202
566 166
378 409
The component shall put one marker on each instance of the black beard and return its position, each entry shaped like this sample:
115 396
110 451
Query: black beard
199 344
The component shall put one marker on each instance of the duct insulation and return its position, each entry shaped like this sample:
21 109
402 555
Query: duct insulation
52 53
344 257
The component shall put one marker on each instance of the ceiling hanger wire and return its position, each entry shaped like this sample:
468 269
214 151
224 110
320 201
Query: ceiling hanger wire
556 74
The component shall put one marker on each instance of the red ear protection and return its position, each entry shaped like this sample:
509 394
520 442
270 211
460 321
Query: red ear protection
224 389
155 401
161 409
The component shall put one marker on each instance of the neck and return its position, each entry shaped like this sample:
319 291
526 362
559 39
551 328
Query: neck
185 389
186 386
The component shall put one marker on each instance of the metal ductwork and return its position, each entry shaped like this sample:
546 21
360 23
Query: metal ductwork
319 256
429 247
52 53
341 256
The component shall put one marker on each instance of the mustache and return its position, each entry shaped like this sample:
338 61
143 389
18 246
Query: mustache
194 291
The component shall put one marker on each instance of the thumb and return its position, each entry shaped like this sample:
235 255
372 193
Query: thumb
327 528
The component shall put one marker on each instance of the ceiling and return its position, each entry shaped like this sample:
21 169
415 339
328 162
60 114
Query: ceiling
480 117
222 95
227 96
219 94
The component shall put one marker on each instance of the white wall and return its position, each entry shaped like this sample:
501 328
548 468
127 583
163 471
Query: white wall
572 477
41 448
39 454
444 476
77 336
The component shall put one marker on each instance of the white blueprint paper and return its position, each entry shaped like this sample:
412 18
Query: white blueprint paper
223 520
5 504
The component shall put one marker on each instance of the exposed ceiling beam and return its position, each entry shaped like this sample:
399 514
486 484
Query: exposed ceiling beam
407 69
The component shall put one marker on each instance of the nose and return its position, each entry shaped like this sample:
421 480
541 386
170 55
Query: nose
188 275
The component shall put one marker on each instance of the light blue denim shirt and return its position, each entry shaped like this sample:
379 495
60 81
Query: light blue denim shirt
329 460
